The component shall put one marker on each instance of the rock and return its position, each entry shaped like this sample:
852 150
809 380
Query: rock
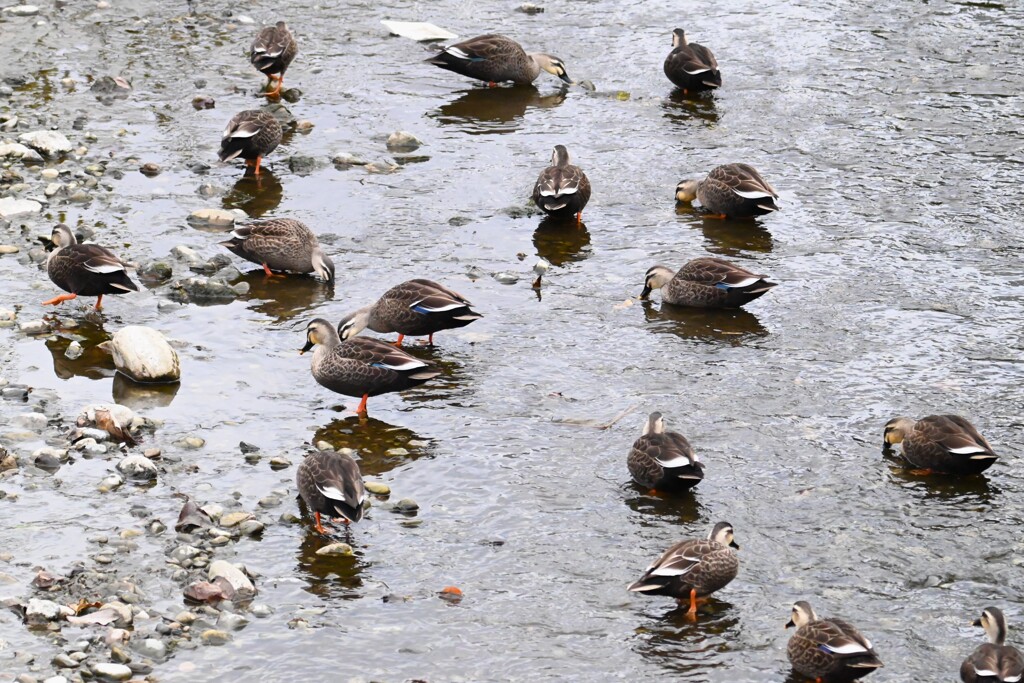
34 327
137 467
506 278
304 126
261 611
41 612
143 354
203 102
74 351
153 648
345 159
149 169
530 8
280 463
191 442
212 217
110 483
9 206
156 271
111 671
204 290
406 506
49 142
21 10
381 167
336 549
187 254
215 637
16 150
228 621
56 679
8 249
420 31
111 87
49 174
80 197
33 421
251 527
234 519
300 164
377 488
402 141
236 578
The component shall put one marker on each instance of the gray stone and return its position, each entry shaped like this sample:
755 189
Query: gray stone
302 165
111 87
212 217
63 661
153 648
144 355
9 206
34 421
402 141
233 575
203 290
74 351
346 159
22 10
41 612
49 142
111 671
137 467
14 149
215 637
34 327
156 271
229 621
343 549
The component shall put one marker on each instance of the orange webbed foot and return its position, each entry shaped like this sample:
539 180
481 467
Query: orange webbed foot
62 298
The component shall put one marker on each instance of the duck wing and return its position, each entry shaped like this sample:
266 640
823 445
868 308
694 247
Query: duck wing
716 272
956 435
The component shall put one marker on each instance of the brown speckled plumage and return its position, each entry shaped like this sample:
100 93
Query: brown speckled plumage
941 443
331 484
706 283
691 66
663 460
273 49
693 568
732 190
562 189
828 649
85 269
995 661
415 308
281 244
495 59
250 135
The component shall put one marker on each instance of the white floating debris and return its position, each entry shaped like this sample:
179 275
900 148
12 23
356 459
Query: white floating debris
418 30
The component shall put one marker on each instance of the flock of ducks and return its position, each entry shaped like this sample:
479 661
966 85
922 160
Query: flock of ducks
331 484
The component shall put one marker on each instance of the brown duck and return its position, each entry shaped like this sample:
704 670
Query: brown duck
84 269
272 51
331 485
691 66
828 649
940 443
663 460
706 283
562 189
731 191
251 135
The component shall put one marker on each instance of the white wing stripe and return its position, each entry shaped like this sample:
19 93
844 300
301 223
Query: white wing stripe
105 268
753 194
967 450
331 492
845 649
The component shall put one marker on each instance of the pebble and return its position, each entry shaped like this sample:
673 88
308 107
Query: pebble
144 355
213 217
17 150
377 488
251 527
40 612
396 452
345 159
229 621
153 648
149 169
8 249
261 611
34 327
137 467
301 164
280 463
234 519
9 206
402 141
112 671
63 661
152 453
406 506
203 102
215 637
269 502
22 10
304 126
56 679
157 271
336 549
191 442
34 421
49 174
52 188
74 351
49 142
80 196
109 483
221 569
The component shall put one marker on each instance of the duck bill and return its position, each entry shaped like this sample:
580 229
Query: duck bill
305 348
734 544
644 294
976 622
565 77
789 624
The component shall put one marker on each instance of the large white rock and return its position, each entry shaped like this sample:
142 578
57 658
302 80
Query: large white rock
14 149
49 142
418 30
144 355
9 206
233 575
137 467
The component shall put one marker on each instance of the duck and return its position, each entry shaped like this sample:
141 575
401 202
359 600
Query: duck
84 269
706 282
281 244
362 366
413 308
562 189
691 66
828 649
495 59
251 134
731 191
993 662
946 444
693 569
331 485
272 52
663 460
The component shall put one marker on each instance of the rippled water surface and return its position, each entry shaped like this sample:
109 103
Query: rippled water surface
893 135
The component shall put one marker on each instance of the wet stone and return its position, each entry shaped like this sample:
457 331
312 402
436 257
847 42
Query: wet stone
215 637
280 463
112 671
232 519
228 621
63 661
212 217
302 164
251 527
342 549
74 351
203 102
137 467
402 141
377 488
406 506
152 648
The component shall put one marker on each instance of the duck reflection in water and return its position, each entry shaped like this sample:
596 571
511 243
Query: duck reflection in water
486 110
256 195
283 298
728 237
327 576
683 508
683 108
561 240
381 446
731 325
686 648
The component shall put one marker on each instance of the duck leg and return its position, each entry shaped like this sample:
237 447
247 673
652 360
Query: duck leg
259 159
276 91
319 526
270 273
717 216
361 409
60 299
430 339
99 302
399 342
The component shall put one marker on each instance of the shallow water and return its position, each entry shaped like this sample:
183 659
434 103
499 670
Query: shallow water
893 137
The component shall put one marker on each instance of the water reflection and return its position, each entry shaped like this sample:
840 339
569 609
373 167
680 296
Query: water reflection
381 447
94 363
682 108
329 576
974 490
688 648
283 298
731 325
142 397
494 110
561 241
729 237
256 195
683 508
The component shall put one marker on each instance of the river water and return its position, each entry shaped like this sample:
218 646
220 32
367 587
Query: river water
893 135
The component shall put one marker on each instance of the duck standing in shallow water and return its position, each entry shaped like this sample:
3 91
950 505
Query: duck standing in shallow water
281 244
272 51
362 366
662 460
993 662
331 485
84 269
731 191
562 189
940 443
706 283
495 59
415 308
828 649
693 569
251 135
691 66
